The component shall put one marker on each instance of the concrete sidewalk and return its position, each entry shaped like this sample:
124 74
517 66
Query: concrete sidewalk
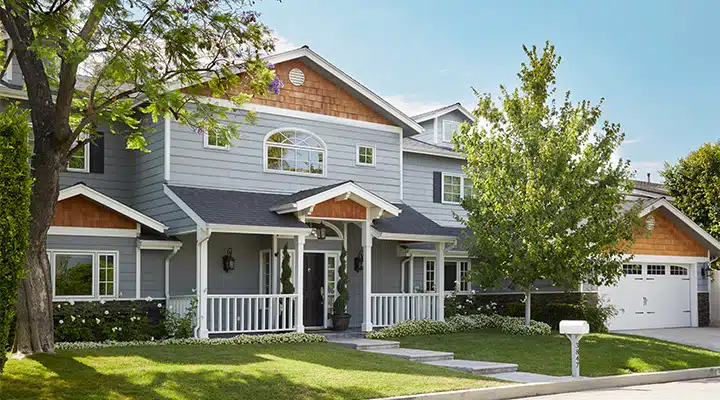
703 389
706 338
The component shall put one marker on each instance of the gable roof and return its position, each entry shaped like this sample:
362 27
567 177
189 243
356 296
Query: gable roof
412 145
80 189
438 112
652 189
410 225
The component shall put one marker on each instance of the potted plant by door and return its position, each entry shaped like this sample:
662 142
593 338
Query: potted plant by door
340 317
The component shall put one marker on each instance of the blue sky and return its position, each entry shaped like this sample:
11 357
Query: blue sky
654 62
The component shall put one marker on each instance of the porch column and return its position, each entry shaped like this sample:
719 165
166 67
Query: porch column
367 275
203 236
300 278
714 288
440 279
411 278
693 271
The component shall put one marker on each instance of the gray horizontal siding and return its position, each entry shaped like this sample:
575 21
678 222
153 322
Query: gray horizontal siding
117 179
418 186
241 167
428 136
152 273
126 248
182 267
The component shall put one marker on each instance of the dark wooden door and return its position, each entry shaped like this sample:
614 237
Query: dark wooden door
313 308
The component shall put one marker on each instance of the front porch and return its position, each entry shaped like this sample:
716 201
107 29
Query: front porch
238 271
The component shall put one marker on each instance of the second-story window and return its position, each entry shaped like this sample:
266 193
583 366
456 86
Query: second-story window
80 160
455 187
448 130
295 151
215 141
365 155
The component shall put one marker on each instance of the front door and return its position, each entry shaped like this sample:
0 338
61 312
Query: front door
314 296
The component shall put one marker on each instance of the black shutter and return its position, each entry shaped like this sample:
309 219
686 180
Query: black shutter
97 155
437 187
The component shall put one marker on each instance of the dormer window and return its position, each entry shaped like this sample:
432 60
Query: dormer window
448 130
295 151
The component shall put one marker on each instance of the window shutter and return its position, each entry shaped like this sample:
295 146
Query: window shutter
97 155
437 187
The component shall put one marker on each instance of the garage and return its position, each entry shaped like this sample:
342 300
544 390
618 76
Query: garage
652 295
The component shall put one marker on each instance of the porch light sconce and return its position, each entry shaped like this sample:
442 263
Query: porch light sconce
359 262
320 232
228 261
650 222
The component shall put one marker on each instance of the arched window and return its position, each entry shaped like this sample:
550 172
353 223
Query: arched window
295 151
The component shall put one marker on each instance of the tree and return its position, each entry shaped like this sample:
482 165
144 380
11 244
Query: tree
546 197
286 273
15 187
131 53
694 182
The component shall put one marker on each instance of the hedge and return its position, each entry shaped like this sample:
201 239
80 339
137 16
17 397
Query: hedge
15 192
462 323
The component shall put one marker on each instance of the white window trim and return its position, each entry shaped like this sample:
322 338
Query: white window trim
207 145
261 266
279 171
425 272
462 187
357 155
95 273
457 274
445 123
86 168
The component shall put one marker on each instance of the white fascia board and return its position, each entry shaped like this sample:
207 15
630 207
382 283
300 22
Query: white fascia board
646 258
443 111
95 232
332 193
109 202
432 153
431 253
258 230
284 112
411 237
159 244
684 218
184 207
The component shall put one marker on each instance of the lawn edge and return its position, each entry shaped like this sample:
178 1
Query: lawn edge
579 385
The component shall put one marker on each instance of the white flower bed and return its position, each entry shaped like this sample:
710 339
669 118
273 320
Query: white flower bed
240 339
462 323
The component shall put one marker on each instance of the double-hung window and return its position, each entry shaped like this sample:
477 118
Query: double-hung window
84 274
449 128
80 159
455 187
456 276
365 155
215 141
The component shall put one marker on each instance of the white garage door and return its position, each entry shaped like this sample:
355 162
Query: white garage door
650 296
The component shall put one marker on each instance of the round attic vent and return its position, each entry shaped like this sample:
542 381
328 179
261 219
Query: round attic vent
297 77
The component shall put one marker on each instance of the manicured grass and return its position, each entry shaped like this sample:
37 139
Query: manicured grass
286 371
600 354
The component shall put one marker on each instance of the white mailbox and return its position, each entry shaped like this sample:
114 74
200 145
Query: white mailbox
574 330
574 327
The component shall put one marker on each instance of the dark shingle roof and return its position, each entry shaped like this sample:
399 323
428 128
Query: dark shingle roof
236 208
411 145
411 222
653 187
304 194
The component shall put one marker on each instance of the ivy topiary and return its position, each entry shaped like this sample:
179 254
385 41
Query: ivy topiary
286 274
15 191
341 302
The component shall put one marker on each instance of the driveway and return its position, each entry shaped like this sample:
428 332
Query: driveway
705 389
707 338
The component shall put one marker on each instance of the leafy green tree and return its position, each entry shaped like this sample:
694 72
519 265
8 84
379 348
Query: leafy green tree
341 302
15 187
95 63
547 198
694 182
286 272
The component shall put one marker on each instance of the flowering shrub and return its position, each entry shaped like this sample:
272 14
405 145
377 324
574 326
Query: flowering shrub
276 338
462 323
181 325
108 320
469 304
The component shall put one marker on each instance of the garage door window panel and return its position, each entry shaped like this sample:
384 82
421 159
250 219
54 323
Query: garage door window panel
655 269
678 271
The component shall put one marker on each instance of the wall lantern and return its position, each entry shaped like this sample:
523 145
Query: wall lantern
650 222
321 232
228 261
359 262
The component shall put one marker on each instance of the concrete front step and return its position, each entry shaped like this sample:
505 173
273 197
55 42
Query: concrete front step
476 367
415 355
365 344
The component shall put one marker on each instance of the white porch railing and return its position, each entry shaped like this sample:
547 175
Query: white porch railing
245 313
179 304
391 308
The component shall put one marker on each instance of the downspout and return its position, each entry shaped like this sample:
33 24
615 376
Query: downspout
402 274
167 272
200 240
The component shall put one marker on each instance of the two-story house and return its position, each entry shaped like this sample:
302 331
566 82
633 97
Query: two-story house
328 165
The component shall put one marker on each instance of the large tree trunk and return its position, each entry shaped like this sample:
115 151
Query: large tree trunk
528 296
34 331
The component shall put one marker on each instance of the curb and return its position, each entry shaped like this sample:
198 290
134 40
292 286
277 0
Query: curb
541 389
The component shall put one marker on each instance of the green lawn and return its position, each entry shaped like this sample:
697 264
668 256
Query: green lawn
286 371
600 354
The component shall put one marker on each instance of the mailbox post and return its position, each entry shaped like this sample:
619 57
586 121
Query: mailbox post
575 330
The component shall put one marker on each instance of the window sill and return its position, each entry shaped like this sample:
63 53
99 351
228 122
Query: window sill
359 164
216 148
293 173
80 171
